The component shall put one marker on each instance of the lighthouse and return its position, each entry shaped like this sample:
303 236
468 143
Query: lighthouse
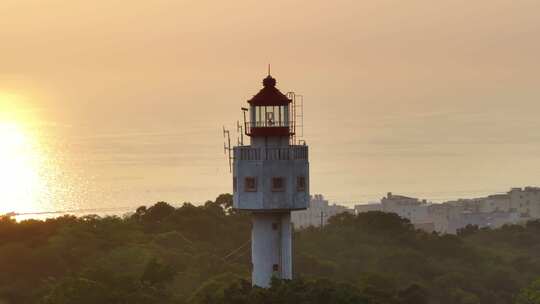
271 179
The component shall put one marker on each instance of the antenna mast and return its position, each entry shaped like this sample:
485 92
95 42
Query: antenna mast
227 146
240 130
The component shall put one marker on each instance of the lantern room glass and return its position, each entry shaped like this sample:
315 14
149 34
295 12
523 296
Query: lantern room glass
270 116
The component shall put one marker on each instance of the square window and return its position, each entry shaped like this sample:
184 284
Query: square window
275 267
278 184
274 226
300 183
250 184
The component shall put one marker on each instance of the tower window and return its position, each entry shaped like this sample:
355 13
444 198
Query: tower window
300 183
274 226
234 183
250 184
275 267
278 184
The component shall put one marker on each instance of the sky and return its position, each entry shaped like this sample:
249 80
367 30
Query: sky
122 102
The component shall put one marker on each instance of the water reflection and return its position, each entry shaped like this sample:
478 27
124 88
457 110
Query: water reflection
32 176
22 174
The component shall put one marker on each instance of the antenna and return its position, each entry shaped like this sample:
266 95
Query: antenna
227 146
240 130
244 111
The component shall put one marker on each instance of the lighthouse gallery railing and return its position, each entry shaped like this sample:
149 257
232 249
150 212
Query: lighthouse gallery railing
294 152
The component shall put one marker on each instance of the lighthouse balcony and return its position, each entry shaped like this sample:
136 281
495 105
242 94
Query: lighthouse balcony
269 128
293 152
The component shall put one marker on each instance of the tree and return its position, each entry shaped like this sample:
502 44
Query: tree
78 291
281 291
530 294
414 294
468 230
225 201
164 254
158 212
157 274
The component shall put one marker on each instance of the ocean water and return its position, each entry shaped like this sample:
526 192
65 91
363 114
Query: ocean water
46 174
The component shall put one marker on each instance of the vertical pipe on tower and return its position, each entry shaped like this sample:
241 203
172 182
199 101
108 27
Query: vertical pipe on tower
286 246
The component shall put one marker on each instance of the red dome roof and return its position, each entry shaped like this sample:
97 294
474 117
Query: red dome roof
269 95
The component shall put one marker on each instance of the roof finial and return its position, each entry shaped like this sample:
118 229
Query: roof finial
269 69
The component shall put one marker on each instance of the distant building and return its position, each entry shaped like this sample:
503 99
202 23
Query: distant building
495 203
407 207
519 205
360 208
319 211
441 215
482 220
413 209
516 206
525 201
470 205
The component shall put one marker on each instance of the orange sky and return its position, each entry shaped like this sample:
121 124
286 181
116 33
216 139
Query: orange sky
437 99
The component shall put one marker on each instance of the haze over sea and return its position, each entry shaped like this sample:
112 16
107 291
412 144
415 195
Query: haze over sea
105 106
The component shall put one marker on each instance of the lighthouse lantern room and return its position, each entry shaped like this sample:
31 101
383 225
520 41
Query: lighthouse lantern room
270 179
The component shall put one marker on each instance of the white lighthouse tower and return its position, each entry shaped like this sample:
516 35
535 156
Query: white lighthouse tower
270 179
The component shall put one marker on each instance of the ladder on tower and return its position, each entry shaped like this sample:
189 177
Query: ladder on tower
297 115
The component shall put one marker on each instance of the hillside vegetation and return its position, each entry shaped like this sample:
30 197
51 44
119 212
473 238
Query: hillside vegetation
201 254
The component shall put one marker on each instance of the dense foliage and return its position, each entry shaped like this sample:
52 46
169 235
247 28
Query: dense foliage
200 254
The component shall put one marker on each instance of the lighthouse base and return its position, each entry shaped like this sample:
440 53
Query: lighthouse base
271 247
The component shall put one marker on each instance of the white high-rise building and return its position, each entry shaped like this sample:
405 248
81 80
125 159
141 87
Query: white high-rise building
270 179
407 207
525 201
494 203
318 213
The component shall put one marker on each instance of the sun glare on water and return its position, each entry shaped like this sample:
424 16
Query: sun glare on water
22 184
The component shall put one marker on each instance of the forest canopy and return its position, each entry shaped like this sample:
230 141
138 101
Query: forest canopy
201 254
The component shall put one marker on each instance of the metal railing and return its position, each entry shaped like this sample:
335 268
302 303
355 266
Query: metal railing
246 153
293 152
266 124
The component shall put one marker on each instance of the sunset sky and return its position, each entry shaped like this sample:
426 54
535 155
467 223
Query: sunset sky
120 103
